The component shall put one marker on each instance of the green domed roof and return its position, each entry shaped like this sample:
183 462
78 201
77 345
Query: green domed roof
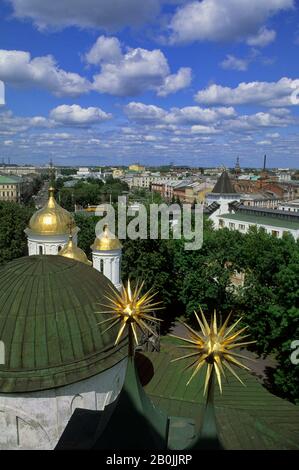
49 324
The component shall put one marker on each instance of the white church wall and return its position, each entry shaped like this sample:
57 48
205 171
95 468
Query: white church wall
108 263
48 244
36 420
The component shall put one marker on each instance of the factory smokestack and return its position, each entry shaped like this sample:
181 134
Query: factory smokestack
265 161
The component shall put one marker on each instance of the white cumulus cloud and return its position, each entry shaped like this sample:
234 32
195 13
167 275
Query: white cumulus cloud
144 112
200 129
257 121
74 115
189 115
133 72
19 69
105 49
234 63
223 20
100 14
284 92
176 82
263 38
264 142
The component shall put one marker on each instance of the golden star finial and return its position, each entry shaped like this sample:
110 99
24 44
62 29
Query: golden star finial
131 309
213 347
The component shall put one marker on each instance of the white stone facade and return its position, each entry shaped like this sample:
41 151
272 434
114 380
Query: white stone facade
223 201
47 244
243 226
36 420
108 263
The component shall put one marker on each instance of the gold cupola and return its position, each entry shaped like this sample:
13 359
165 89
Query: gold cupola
71 250
52 219
107 241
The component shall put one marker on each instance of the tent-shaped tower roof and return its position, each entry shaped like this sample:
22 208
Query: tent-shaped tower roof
223 185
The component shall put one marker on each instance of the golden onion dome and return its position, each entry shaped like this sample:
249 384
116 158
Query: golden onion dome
74 252
52 219
107 241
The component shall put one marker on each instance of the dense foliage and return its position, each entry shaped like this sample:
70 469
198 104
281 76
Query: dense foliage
268 301
13 221
89 192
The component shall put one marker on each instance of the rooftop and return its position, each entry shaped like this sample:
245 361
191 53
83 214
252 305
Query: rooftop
49 324
9 179
262 220
248 417
223 185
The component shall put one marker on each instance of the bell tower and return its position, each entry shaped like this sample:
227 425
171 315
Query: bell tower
106 256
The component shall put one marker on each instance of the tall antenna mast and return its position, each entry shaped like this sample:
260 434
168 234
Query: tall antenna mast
51 173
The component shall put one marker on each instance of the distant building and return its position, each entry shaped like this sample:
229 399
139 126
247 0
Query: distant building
273 222
117 173
148 180
199 190
262 199
290 206
237 167
22 170
226 209
85 172
183 191
169 188
219 199
10 188
136 167
284 176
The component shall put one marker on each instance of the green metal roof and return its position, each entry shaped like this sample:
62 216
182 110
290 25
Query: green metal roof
262 220
9 179
135 422
247 417
49 324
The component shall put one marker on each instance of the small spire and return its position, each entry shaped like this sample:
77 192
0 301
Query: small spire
70 227
51 174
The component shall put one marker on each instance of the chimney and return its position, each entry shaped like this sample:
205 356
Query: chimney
265 160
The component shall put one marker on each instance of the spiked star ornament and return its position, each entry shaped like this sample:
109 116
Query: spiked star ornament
131 309
214 347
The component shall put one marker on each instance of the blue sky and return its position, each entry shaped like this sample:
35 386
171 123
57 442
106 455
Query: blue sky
96 82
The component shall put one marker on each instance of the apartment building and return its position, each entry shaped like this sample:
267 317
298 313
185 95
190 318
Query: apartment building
10 188
274 222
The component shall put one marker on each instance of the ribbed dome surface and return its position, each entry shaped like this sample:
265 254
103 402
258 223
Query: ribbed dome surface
49 324
52 219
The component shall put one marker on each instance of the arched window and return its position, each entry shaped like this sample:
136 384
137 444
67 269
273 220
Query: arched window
59 248
102 265
40 250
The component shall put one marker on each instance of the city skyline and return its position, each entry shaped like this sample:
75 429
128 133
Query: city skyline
112 83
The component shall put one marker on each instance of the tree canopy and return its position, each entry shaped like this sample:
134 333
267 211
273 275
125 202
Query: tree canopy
13 221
